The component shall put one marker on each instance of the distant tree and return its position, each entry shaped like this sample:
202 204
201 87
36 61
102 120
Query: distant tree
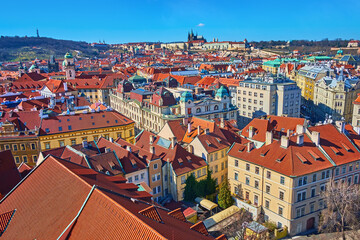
342 210
225 199
190 188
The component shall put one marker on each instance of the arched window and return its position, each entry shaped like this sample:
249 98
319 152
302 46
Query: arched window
216 107
198 110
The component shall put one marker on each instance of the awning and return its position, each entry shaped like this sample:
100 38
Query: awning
207 204
218 217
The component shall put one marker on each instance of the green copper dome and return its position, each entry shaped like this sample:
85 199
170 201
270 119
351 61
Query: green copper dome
33 67
186 96
340 51
221 92
68 55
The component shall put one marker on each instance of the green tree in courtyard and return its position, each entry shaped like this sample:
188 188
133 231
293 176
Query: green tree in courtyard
190 188
225 200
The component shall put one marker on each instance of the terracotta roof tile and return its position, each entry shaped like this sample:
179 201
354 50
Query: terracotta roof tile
200 227
178 214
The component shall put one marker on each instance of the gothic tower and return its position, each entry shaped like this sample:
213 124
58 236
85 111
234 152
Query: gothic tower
69 66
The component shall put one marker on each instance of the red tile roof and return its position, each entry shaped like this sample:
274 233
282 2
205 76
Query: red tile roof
295 160
9 174
336 144
82 121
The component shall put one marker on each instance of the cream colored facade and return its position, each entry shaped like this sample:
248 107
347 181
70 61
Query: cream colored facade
260 97
95 95
217 161
335 97
356 116
146 116
288 201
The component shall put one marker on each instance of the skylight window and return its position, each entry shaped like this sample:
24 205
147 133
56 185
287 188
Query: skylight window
47 130
69 127
60 129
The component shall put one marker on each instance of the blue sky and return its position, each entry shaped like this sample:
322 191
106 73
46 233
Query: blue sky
170 20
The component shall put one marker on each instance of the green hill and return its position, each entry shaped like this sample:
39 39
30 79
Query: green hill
28 48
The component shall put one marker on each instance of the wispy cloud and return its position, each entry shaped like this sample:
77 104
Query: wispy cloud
201 25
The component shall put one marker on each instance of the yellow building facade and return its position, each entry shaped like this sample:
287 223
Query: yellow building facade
69 131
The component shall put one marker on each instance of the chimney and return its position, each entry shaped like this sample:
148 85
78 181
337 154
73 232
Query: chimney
288 132
85 144
111 139
222 123
191 149
300 139
207 131
185 121
199 130
107 150
251 132
173 142
269 137
340 126
284 142
189 127
250 146
65 86
315 137
152 149
151 139
300 129
128 148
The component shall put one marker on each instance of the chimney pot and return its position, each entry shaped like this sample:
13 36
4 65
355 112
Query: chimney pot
269 137
189 127
173 142
199 130
250 146
300 139
284 142
315 137
152 149
299 129
251 132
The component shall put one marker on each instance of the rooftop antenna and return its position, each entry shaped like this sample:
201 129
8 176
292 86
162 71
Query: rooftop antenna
37 33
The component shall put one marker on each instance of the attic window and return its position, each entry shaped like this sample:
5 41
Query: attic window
103 115
92 117
93 123
335 150
281 158
99 168
208 143
59 121
47 130
69 127
218 139
80 118
116 121
346 147
60 129
180 161
301 157
241 148
112 164
188 158
264 152
133 162
314 155
5 219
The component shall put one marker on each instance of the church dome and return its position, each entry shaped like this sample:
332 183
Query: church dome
221 92
186 96
68 55
33 67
